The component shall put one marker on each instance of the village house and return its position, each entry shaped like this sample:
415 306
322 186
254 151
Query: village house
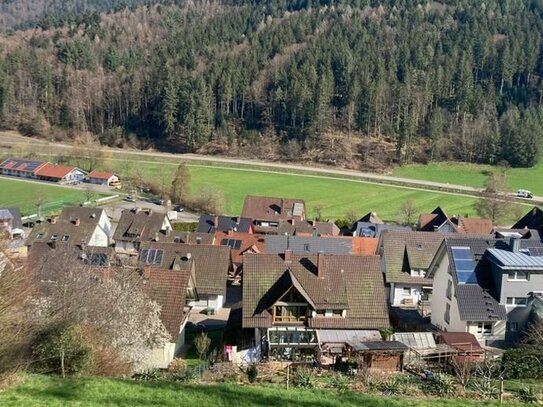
105 178
213 223
438 221
293 300
293 227
406 259
211 268
138 226
463 282
74 226
16 167
11 223
267 213
239 244
61 174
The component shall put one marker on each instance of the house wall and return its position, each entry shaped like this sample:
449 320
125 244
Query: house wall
123 246
517 313
397 295
99 181
215 302
440 300
161 357
99 238
498 331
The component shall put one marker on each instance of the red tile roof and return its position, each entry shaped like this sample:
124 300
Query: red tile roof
101 174
54 171
365 245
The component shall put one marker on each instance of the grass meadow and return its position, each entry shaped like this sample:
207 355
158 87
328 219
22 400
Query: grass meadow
474 175
24 195
37 390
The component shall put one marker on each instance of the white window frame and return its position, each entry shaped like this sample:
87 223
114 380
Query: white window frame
514 301
513 276
482 328
447 316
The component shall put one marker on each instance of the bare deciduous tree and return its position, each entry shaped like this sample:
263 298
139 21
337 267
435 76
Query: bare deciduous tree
494 204
202 343
407 212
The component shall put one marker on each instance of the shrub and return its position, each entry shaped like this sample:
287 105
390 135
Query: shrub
523 363
392 386
252 373
527 395
304 377
485 388
60 348
440 385
339 382
189 376
149 375
177 367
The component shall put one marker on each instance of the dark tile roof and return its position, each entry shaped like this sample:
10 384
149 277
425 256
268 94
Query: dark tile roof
477 304
429 222
140 225
211 263
212 224
532 220
404 251
273 209
76 233
13 215
17 164
85 215
354 283
168 288
307 228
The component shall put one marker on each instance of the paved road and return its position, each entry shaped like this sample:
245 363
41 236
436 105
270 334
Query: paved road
13 139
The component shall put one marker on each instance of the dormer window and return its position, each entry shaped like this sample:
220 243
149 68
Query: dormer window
65 238
40 235
54 238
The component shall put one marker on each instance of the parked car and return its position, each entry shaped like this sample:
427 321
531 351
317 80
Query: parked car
129 198
179 208
524 193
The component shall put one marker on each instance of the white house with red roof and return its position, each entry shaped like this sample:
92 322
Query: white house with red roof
103 178
60 173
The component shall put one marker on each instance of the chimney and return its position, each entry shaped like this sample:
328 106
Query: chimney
238 219
54 219
189 256
216 221
77 221
230 232
320 265
93 215
157 237
198 239
514 244
288 256
149 212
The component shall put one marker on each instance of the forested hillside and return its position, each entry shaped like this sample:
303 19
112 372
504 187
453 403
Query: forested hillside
354 82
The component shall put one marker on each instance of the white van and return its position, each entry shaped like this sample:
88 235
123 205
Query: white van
524 193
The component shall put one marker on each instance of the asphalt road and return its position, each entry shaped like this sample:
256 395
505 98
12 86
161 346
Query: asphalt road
12 138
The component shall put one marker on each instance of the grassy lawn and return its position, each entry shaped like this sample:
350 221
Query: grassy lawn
24 194
474 175
335 195
53 392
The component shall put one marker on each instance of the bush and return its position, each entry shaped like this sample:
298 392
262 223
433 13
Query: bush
177 367
150 375
440 385
252 373
189 376
304 377
60 348
392 386
527 395
339 382
485 388
523 364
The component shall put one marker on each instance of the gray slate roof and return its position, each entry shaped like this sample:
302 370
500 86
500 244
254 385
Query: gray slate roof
476 304
308 244
508 260
14 215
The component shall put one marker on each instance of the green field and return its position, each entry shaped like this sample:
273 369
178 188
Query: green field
335 195
474 175
53 392
24 195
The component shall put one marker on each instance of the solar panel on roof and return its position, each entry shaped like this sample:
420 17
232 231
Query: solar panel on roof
232 243
151 256
97 259
464 265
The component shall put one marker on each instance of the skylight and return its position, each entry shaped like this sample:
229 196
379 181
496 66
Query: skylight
464 264
151 256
